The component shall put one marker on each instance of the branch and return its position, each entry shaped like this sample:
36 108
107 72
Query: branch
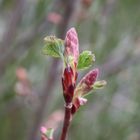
68 11
66 124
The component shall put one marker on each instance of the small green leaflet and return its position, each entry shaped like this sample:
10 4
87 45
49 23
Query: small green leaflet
85 60
99 84
49 133
53 47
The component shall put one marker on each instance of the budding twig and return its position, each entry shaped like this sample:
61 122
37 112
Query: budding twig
73 94
67 120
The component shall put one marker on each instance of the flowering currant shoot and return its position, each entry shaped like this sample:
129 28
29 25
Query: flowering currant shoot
73 62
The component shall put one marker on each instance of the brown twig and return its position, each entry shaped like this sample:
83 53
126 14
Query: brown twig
67 120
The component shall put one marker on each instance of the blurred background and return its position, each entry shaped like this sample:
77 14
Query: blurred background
30 83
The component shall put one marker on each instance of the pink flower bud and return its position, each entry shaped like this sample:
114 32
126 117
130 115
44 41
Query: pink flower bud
87 82
43 131
90 78
72 44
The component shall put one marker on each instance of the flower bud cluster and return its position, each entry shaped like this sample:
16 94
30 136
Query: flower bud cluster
72 93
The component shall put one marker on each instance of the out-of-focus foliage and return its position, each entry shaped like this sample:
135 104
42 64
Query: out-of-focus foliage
110 29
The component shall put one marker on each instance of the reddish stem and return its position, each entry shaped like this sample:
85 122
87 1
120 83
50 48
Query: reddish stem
67 120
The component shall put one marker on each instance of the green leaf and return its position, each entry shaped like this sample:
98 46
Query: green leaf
53 47
99 84
49 133
85 60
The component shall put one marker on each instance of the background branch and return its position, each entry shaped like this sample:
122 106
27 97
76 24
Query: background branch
10 33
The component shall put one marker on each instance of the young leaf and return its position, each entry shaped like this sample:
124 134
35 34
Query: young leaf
85 60
49 133
53 47
99 84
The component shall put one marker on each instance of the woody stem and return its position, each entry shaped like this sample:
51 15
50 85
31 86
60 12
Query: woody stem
67 120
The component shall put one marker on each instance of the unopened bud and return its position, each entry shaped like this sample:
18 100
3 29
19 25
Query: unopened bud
68 83
90 78
43 131
72 44
87 82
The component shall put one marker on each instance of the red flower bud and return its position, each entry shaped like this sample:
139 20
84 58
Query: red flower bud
72 44
68 83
